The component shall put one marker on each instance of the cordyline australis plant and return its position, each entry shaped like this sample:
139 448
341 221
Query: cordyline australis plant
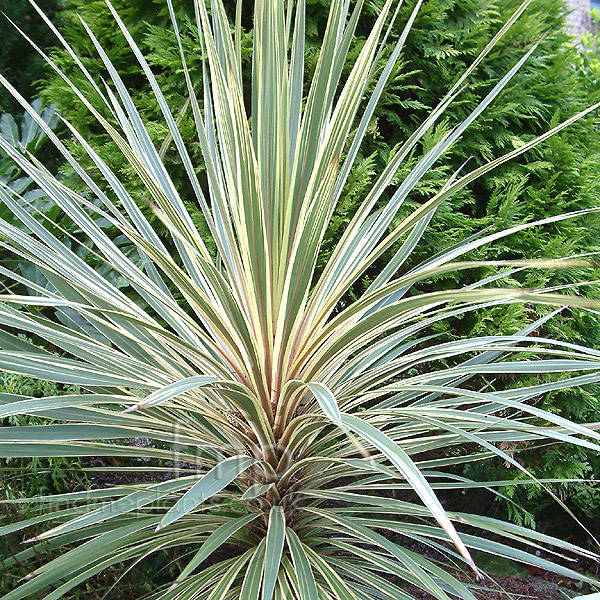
289 406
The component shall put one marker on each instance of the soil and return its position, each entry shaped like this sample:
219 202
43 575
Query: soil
508 580
504 587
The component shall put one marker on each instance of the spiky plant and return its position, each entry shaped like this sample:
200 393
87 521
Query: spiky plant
319 427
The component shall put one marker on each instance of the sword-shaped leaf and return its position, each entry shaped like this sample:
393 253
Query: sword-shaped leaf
217 479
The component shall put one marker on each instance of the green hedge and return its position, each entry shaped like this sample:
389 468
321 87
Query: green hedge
19 61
